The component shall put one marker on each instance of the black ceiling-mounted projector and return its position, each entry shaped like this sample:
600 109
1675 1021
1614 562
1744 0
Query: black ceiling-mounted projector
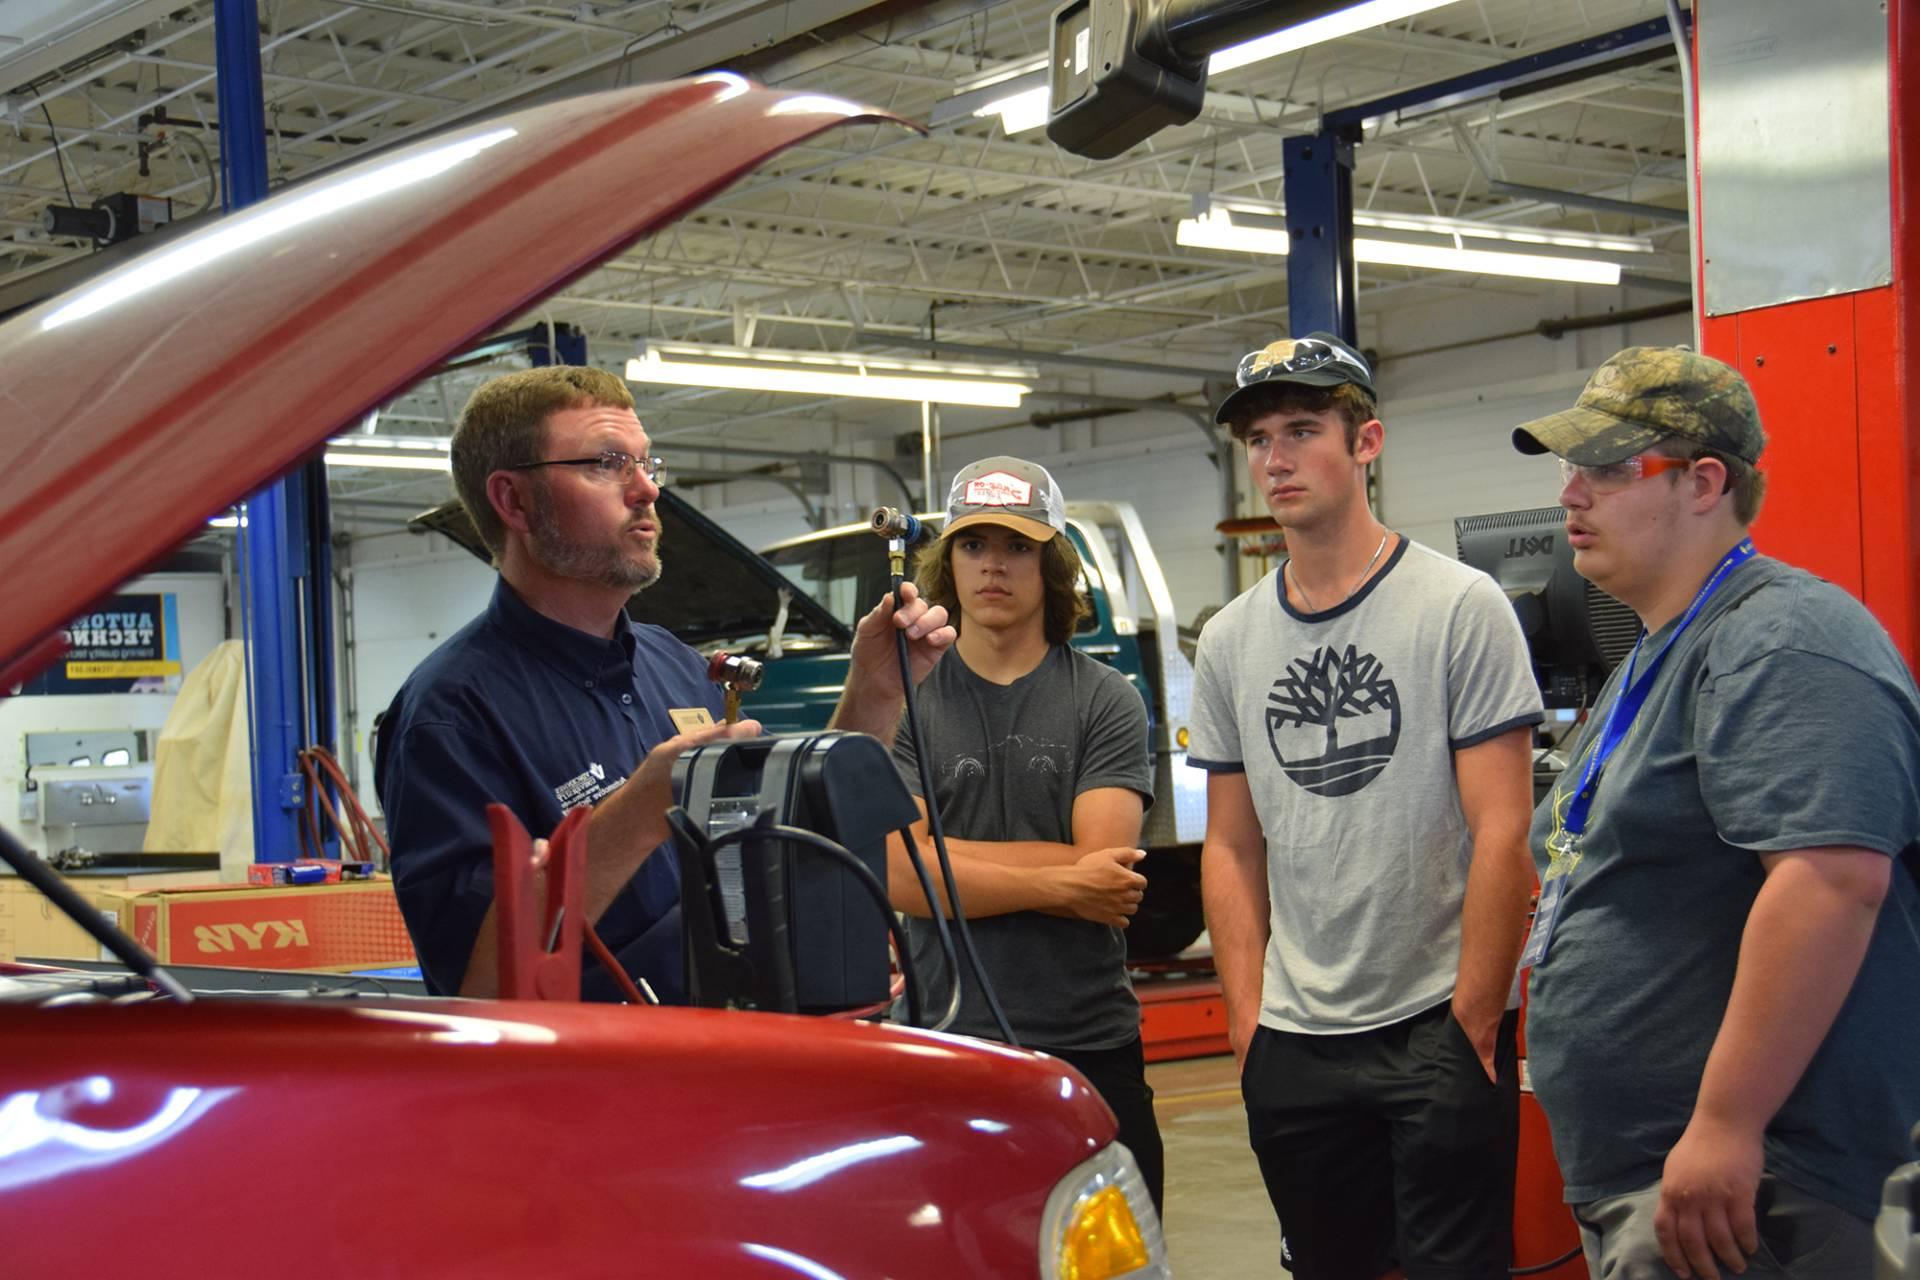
1122 70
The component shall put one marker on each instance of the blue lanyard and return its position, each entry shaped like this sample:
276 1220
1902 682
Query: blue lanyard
1633 693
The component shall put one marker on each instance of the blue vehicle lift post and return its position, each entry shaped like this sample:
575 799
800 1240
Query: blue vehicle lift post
1318 168
285 551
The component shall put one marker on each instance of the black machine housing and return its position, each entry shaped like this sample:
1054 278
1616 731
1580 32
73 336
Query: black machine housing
1121 70
772 923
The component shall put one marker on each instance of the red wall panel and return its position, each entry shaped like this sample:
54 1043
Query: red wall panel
1836 380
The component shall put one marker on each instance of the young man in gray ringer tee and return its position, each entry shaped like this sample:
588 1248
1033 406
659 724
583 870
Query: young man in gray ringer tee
1365 717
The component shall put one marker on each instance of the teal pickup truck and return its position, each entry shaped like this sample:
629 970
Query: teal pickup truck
794 604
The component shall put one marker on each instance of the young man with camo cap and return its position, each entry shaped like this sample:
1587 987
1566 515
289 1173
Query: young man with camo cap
1724 1023
1365 716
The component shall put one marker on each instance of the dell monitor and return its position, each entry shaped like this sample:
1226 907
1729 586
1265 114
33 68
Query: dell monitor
1576 633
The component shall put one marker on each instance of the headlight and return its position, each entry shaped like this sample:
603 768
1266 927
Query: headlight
1100 1223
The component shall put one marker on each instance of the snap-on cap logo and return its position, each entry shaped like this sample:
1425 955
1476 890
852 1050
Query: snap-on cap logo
999 489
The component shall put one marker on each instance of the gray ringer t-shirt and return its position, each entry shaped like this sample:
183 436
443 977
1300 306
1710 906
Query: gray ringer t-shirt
1345 723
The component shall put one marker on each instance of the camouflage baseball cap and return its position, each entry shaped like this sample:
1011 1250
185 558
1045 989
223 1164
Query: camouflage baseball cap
1010 492
1645 395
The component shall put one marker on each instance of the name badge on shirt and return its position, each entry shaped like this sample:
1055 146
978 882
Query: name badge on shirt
1545 916
687 719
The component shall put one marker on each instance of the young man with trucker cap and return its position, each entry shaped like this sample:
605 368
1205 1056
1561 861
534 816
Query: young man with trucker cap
1365 716
1724 1022
1040 764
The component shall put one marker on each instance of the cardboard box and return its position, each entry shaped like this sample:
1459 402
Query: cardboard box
30 925
337 927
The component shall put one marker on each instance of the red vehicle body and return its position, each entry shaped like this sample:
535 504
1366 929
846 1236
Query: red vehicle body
375 1136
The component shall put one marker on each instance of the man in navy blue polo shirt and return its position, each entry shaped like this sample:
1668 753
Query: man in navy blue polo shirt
552 698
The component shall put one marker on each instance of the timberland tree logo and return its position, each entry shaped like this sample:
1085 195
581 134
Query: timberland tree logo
1321 700
267 935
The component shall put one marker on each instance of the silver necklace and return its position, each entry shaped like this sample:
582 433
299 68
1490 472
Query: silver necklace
1308 600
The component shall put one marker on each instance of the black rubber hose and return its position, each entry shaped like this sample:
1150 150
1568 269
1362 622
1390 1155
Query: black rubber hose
940 926
940 840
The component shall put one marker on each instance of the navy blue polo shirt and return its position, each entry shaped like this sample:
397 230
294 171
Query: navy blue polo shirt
519 709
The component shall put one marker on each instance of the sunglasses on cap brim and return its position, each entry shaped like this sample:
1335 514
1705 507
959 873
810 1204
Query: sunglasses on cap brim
1309 355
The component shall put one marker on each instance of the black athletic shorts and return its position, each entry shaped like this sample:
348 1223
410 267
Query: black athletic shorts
1387 1148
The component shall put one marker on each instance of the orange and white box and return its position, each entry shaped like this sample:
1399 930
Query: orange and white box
337 927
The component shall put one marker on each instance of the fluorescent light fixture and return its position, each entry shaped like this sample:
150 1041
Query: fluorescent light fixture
1250 214
1016 92
1424 224
386 460
692 364
1361 17
1217 228
1020 111
1485 262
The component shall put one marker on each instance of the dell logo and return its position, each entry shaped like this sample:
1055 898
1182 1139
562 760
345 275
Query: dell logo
1517 547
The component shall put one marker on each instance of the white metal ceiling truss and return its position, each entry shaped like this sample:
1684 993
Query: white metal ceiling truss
865 237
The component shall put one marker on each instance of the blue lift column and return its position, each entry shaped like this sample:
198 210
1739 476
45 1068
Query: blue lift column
1318 184
289 677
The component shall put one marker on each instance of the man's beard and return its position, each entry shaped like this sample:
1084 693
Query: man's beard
603 564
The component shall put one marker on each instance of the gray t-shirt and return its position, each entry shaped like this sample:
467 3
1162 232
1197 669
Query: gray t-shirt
1782 719
1345 723
1008 762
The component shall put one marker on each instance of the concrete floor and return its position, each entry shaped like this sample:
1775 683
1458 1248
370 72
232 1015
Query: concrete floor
1219 1224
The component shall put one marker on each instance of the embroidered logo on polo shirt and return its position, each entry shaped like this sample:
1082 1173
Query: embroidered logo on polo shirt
588 787
1323 699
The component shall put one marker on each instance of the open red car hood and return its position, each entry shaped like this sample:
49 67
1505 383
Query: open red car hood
163 391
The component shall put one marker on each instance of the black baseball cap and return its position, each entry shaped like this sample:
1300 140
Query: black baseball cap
1318 360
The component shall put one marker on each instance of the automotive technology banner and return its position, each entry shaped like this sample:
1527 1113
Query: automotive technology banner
125 644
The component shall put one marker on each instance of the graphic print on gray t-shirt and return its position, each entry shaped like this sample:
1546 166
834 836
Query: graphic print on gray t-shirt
1017 752
1008 763
1309 707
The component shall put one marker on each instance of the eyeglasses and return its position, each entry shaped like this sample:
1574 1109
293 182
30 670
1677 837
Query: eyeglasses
612 465
1307 354
1614 476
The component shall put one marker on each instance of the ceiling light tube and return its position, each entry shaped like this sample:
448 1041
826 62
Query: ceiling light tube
1345 22
1485 262
1260 213
1020 111
1015 91
393 461
829 374
1216 230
